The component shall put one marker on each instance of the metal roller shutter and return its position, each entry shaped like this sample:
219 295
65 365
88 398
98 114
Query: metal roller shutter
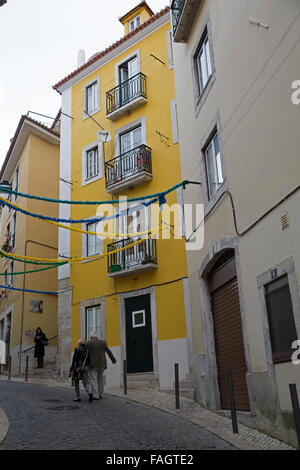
229 336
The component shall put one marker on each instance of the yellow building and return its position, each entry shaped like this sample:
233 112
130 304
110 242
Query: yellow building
32 167
119 137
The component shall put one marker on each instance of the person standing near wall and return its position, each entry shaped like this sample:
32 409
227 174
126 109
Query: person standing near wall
39 351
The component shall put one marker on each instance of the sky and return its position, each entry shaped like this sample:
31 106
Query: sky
39 42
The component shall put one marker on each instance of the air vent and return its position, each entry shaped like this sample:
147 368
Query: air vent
284 221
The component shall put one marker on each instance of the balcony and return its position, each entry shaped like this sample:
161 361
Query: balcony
128 170
141 257
183 15
126 97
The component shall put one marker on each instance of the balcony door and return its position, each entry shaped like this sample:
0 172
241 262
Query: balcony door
128 87
126 164
134 223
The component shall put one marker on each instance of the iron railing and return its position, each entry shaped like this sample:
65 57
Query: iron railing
176 8
128 164
137 255
128 91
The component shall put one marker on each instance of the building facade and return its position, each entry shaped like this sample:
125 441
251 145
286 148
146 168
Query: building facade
121 139
236 63
32 167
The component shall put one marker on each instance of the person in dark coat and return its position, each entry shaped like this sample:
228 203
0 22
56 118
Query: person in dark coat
79 370
39 350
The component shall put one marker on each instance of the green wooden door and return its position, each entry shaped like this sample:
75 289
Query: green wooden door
139 352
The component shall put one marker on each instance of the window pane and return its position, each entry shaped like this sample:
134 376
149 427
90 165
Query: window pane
281 317
208 59
137 137
125 142
210 170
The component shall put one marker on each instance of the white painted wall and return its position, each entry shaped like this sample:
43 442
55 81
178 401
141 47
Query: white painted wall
65 173
171 352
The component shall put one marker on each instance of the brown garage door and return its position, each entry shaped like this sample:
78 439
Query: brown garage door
228 335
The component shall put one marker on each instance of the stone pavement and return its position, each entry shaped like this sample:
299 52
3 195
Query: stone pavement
247 439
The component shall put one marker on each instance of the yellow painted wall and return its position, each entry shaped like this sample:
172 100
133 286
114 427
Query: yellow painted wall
89 280
39 175
170 311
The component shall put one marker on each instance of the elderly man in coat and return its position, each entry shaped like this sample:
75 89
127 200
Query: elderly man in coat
97 349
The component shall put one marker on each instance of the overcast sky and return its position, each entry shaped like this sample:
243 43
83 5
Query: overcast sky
39 41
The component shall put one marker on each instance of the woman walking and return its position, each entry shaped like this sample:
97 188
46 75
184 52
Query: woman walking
79 370
39 350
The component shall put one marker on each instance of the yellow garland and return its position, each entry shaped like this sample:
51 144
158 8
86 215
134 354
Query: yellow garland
110 235
107 253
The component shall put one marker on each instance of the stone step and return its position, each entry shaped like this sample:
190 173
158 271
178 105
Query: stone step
142 381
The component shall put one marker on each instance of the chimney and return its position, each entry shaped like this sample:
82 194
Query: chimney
80 58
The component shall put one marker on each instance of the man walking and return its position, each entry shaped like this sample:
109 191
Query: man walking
97 349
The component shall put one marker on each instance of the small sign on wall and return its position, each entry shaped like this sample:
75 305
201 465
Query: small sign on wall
36 306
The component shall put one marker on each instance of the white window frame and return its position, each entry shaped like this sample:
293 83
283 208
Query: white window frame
84 239
217 166
170 49
86 86
14 231
84 154
11 270
94 326
16 181
134 325
137 54
205 48
134 21
122 130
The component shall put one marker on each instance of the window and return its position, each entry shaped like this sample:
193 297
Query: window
16 182
93 321
213 165
11 277
92 163
138 319
92 97
203 64
94 245
281 319
135 23
14 229
130 140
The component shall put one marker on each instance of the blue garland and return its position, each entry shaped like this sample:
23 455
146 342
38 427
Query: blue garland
28 290
63 201
161 200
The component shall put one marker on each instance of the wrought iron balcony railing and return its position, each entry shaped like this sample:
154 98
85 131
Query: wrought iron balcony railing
128 164
125 93
176 8
138 255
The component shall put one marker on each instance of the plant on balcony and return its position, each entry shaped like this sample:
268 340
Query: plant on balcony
115 268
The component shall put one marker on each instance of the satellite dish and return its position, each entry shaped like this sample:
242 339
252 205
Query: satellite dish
104 136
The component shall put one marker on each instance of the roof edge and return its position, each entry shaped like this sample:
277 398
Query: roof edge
98 55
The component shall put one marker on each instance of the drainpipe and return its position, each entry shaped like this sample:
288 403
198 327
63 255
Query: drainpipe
23 299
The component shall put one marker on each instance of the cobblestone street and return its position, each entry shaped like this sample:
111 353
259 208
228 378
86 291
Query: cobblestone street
46 418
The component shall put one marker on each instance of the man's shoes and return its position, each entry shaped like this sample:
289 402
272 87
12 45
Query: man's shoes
90 397
77 399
